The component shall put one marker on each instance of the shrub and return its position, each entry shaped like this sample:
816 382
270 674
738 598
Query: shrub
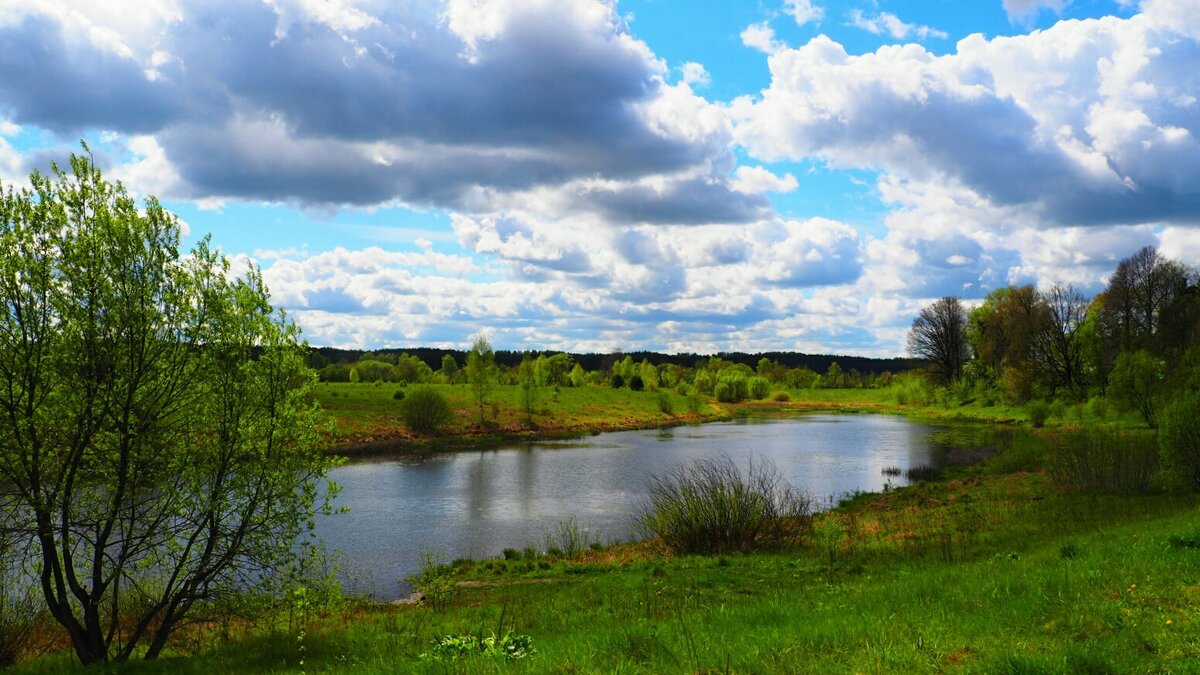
712 506
922 472
435 580
636 383
759 388
1179 438
697 403
781 397
568 538
19 608
426 411
665 404
617 381
398 395
1058 410
1136 382
1098 407
732 388
1102 461
1039 412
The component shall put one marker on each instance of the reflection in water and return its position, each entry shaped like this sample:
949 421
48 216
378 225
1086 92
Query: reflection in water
475 504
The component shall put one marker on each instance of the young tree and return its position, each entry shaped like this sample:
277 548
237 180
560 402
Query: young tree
1136 382
157 443
939 336
481 372
527 380
449 367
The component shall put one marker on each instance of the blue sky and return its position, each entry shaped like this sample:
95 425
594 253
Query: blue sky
646 174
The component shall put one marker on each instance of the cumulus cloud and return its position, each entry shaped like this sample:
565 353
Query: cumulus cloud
1023 9
886 23
1086 123
803 11
761 36
355 104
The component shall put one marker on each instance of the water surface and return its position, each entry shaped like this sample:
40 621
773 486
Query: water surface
476 504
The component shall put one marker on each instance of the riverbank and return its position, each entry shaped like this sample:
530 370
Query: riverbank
365 418
994 569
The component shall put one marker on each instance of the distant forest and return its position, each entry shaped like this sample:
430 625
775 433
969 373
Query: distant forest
323 356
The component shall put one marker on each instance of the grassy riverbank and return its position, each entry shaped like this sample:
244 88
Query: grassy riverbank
366 417
993 570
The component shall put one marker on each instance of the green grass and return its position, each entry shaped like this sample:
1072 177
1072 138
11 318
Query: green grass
364 413
990 571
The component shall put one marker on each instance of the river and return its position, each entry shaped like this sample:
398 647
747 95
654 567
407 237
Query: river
477 503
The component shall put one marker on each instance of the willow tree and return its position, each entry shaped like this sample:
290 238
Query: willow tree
157 444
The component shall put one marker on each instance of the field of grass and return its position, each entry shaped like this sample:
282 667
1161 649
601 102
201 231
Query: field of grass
368 414
994 570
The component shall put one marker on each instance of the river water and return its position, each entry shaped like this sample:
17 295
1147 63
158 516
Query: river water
476 504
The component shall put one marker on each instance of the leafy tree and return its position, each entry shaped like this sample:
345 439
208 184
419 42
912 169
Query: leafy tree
577 376
527 380
481 372
1057 345
1136 383
1179 437
938 335
449 367
157 443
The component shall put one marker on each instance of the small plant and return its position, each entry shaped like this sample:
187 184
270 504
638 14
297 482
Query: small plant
827 536
665 404
922 472
1039 412
781 397
453 647
512 554
568 538
617 381
697 403
1098 408
891 471
435 581
1070 551
1191 540
398 395
636 383
426 411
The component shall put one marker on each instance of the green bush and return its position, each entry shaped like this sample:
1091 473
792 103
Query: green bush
666 404
732 388
712 506
1039 412
697 403
636 383
1179 437
398 395
1096 460
1098 407
426 411
617 381
759 388
781 397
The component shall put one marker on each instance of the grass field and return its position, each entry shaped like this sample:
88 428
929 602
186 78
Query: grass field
993 570
366 414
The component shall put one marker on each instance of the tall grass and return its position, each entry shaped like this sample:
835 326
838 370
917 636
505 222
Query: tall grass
1098 461
712 506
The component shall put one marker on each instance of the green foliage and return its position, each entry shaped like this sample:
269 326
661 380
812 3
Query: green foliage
759 387
1039 412
527 381
19 609
568 537
158 411
636 383
1179 437
617 381
481 372
435 580
781 397
712 506
426 410
1102 461
508 647
1136 383
732 387
398 395
666 404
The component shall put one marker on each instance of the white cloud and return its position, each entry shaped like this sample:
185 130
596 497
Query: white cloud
886 23
803 11
1024 9
760 36
695 74
759 179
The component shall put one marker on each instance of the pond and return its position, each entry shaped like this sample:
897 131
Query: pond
475 504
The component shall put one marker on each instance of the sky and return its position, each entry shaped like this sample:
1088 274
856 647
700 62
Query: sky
671 175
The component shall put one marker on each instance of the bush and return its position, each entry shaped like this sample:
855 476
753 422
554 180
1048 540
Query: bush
665 404
697 403
617 381
636 383
398 395
19 608
1039 412
1179 438
426 411
1102 461
759 388
781 397
711 506
1098 408
732 388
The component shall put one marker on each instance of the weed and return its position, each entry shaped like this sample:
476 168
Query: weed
920 472
453 647
711 506
891 471
435 580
